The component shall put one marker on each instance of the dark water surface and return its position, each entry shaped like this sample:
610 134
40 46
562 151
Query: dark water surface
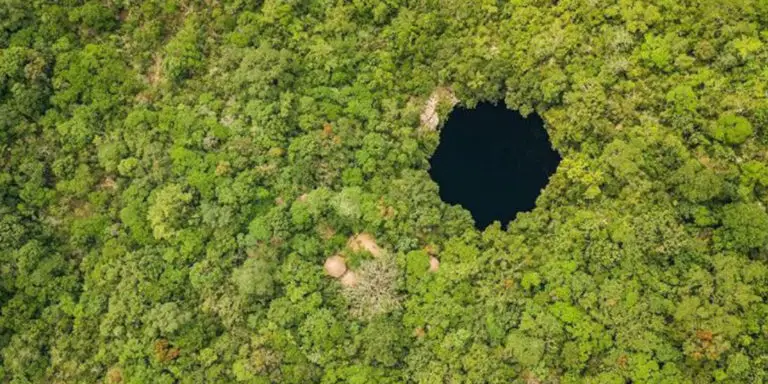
493 162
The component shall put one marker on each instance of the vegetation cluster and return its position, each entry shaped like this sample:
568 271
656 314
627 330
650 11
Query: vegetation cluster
174 174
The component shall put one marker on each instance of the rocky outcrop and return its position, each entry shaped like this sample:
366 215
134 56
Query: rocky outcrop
430 119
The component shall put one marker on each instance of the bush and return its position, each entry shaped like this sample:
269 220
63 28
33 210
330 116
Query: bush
745 226
731 129
376 290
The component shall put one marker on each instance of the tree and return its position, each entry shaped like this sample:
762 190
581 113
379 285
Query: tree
254 278
731 129
745 226
168 207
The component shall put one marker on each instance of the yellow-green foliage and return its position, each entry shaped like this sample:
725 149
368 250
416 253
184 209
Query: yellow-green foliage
173 174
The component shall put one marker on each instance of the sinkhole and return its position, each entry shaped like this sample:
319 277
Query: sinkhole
493 162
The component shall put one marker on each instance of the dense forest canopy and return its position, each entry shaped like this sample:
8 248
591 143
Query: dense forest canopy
174 175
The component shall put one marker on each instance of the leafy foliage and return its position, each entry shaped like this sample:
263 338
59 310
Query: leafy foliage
174 173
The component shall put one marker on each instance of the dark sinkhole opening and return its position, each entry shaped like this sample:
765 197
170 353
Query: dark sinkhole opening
493 162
